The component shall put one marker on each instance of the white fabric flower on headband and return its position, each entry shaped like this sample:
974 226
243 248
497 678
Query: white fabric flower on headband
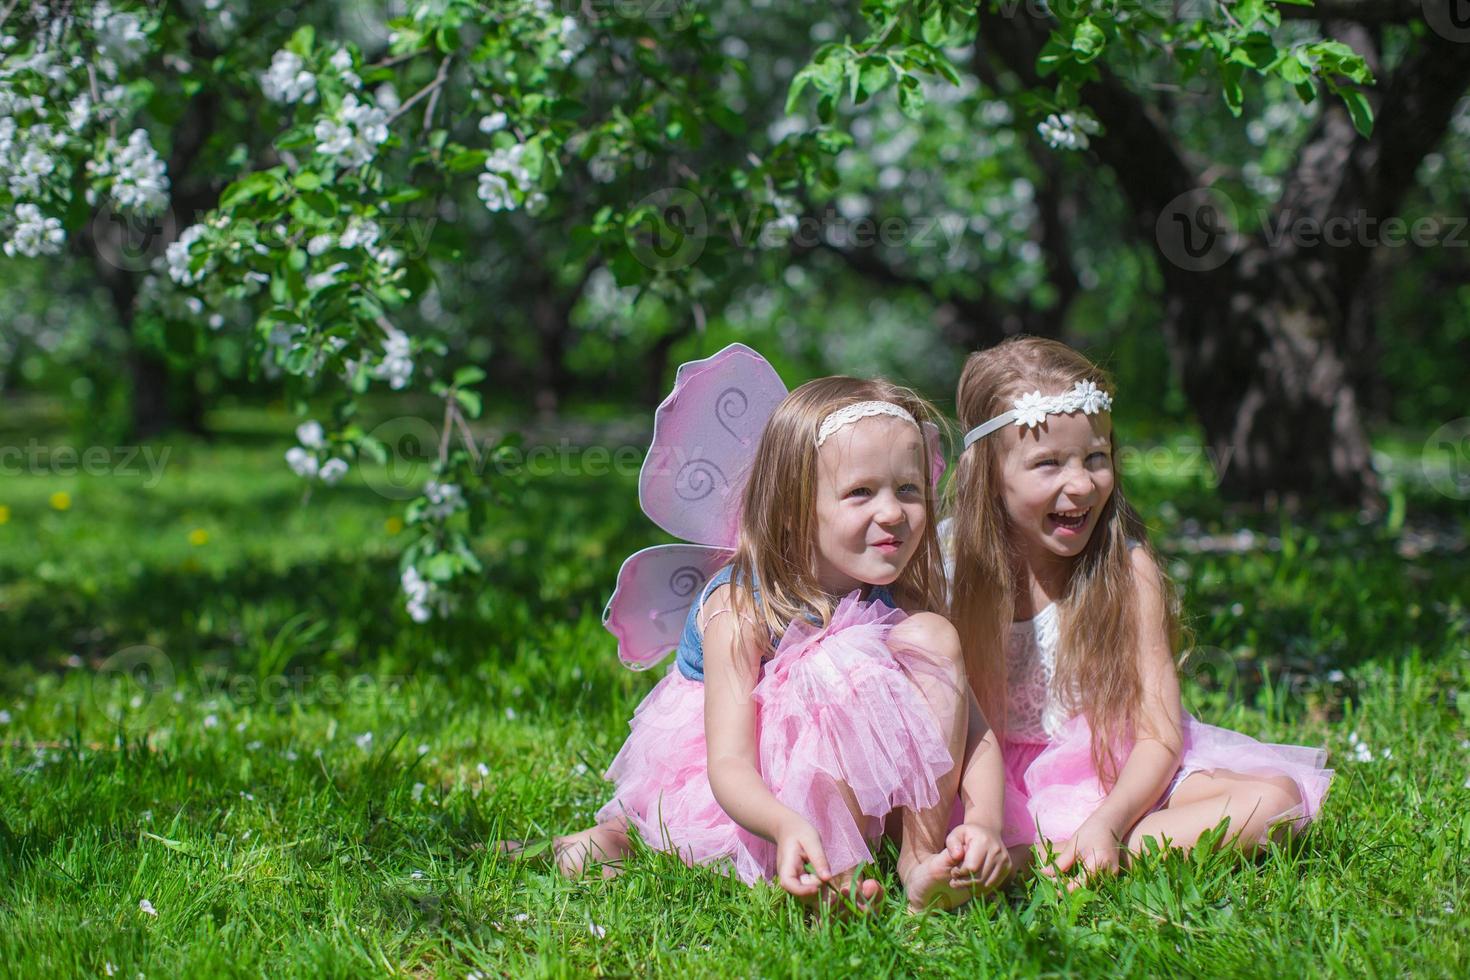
1092 399
1031 410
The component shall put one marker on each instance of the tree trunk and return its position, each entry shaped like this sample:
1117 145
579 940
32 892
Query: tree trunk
1259 324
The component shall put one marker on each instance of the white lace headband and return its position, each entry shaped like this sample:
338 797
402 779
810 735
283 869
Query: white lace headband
1032 409
849 414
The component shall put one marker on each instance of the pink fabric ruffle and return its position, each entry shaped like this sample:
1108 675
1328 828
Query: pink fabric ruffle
1052 788
834 706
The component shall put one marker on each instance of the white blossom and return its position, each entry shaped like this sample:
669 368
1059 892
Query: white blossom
34 165
332 470
417 590
177 257
310 434
495 192
444 499
397 365
326 277
1068 130
319 244
139 177
302 463
288 80
354 136
360 231
492 123
147 907
342 61
120 36
35 233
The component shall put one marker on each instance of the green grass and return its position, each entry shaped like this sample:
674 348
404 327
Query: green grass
236 789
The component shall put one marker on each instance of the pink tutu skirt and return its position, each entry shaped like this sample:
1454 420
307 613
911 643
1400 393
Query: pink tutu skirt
833 706
1052 787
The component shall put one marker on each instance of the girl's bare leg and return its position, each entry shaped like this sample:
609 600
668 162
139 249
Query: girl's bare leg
924 863
1254 805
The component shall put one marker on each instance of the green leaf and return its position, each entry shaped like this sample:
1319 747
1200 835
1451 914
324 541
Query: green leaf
1088 41
466 161
470 401
253 185
1234 96
874 74
1359 109
468 375
302 41
911 98
295 138
307 180
1053 55
1256 51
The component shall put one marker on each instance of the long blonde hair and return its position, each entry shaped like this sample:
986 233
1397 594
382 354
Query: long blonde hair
1097 667
778 520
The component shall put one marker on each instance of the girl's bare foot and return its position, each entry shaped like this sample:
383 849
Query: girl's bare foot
603 846
928 885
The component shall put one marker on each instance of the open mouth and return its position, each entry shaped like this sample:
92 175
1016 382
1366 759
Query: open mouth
1070 520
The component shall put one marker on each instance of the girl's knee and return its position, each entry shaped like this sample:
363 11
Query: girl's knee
1278 794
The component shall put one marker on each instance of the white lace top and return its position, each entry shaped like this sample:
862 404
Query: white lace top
1034 712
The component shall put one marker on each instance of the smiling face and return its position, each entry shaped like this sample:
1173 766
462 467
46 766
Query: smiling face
870 503
1057 478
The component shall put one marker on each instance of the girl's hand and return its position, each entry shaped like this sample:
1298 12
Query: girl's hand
979 855
798 845
1094 850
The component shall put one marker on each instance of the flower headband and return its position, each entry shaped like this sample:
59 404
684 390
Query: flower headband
1032 409
849 414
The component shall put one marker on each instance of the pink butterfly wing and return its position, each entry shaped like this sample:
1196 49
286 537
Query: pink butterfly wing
656 587
704 439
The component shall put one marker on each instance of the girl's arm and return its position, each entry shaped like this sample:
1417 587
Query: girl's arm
977 845
982 785
1158 736
731 667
